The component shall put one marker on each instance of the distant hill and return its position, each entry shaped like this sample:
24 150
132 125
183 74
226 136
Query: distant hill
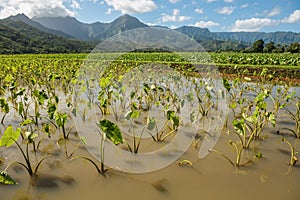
197 33
94 31
210 41
25 19
19 37
250 37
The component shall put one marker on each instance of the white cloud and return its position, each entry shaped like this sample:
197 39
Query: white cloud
245 5
151 24
174 1
38 8
75 4
198 10
132 6
227 10
173 27
293 18
174 17
209 1
205 24
253 24
275 11
228 1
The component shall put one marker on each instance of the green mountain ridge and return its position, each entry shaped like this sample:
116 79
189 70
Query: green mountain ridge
20 34
279 37
19 37
97 30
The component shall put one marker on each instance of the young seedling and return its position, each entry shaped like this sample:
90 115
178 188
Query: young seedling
131 116
61 120
4 108
108 131
295 116
167 129
10 137
239 151
293 152
249 126
39 99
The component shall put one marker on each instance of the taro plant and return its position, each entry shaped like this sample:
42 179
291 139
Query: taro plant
239 153
204 96
293 152
255 122
10 137
295 116
61 120
170 126
118 103
281 98
131 116
112 132
23 104
39 99
105 94
4 108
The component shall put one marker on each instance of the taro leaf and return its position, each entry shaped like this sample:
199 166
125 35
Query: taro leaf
151 123
2 102
288 97
51 108
132 114
193 117
271 118
104 82
173 118
4 105
259 155
30 136
226 84
6 179
20 108
46 128
20 92
239 126
26 122
41 95
232 105
61 119
10 136
260 97
112 131
132 94
135 114
170 114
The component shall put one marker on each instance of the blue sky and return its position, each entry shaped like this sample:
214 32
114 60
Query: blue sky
216 15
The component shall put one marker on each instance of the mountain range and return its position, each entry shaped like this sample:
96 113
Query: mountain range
67 34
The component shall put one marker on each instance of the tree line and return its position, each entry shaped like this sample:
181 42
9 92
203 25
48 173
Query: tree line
259 46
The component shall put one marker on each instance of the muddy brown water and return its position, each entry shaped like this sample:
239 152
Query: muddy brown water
269 177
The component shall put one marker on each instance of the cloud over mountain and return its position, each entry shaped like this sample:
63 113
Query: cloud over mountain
37 8
132 6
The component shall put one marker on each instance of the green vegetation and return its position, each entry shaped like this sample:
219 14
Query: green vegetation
18 37
38 91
